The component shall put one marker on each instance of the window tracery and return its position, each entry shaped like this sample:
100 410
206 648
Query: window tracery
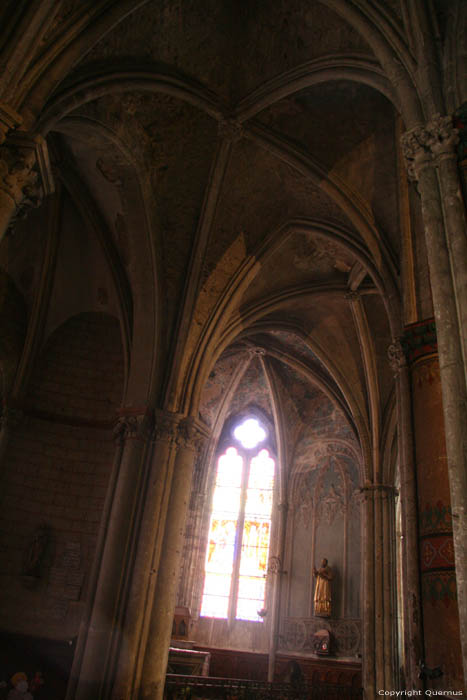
240 525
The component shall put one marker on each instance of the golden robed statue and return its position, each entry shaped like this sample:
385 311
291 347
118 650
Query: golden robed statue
323 590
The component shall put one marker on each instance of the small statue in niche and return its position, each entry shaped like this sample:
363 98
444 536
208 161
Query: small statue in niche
36 551
322 599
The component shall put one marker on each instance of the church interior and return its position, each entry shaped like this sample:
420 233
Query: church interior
233 348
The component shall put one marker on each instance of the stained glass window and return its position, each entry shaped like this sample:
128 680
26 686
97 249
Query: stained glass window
239 530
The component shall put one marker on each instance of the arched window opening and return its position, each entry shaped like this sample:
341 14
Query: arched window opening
240 525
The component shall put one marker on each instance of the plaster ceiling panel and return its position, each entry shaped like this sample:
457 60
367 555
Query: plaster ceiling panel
317 412
302 259
292 344
273 37
261 193
191 36
231 47
361 150
327 320
82 281
173 145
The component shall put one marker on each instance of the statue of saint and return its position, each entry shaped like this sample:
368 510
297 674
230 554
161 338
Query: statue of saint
322 600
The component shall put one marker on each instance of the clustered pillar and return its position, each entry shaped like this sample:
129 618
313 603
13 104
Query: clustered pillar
410 574
123 645
430 154
435 528
188 441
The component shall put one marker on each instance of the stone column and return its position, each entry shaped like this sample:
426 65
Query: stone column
389 580
275 569
443 140
25 175
378 611
437 569
368 612
421 148
104 638
156 490
189 440
413 633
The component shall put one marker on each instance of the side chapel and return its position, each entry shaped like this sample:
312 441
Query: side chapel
233 342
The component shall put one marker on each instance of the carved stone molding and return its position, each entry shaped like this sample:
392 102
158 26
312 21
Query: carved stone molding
297 634
274 565
133 427
396 357
25 171
230 129
369 491
423 143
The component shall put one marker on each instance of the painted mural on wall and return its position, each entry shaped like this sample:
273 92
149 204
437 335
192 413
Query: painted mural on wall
216 387
324 522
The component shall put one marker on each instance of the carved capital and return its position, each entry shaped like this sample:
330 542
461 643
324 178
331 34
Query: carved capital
190 435
132 427
25 172
396 357
443 136
166 426
230 129
423 143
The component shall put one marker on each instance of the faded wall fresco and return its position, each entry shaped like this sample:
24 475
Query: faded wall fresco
324 521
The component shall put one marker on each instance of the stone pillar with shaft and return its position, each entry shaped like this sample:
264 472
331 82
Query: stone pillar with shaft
368 612
155 495
189 441
421 147
436 546
411 594
275 570
25 176
103 638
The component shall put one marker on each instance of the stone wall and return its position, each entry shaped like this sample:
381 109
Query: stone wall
58 463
